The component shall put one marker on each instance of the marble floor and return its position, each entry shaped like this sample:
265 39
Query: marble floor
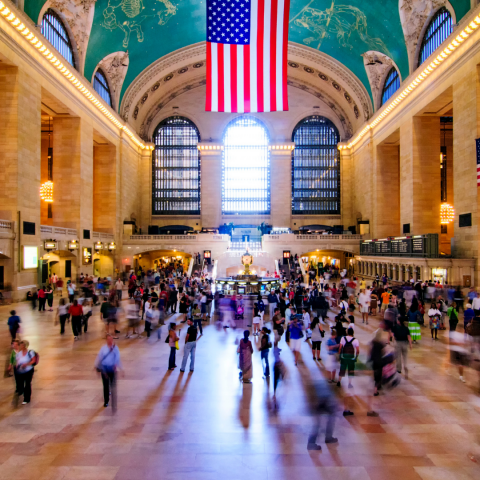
207 426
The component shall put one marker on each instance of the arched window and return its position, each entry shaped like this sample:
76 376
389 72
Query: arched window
391 85
439 29
100 84
176 168
245 168
54 31
315 168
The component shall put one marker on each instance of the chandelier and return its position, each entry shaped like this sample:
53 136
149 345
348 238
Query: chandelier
46 191
447 213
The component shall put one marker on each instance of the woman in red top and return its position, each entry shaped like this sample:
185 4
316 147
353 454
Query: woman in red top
76 311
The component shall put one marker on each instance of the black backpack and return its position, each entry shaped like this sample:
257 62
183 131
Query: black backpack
348 348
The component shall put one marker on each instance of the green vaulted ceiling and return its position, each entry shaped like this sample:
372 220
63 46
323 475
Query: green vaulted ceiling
343 29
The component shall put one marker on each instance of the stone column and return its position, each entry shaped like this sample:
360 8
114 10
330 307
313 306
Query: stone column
386 192
466 128
420 174
105 188
281 187
347 189
73 187
145 186
20 147
211 188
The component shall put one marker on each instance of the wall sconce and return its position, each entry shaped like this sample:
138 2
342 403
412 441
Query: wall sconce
46 191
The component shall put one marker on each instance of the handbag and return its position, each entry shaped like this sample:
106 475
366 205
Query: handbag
176 345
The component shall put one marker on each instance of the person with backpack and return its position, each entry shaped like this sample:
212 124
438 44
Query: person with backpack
349 350
452 314
25 363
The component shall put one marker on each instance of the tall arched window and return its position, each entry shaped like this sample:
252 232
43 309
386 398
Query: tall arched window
391 85
245 168
100 84
55 32
315 167
176 168
439 29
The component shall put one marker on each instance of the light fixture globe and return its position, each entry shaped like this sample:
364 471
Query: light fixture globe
447 214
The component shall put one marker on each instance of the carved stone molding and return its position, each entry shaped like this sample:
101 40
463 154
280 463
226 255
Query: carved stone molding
377 66
414 15
78 14
154 110
170 65
329 101
115 67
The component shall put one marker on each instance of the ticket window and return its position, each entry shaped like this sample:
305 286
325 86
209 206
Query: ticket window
439 275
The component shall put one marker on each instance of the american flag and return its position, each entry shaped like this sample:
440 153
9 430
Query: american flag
477 142
247 44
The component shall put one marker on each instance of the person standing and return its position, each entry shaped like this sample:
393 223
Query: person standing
60 286
317 334
107 364
172 343
71 291
25 362
245 351
296 336
349 350
76 312
332 351
14 324
119 289
434 314
403 341
42 299
452 314
364 301
272 303
190 346
54 281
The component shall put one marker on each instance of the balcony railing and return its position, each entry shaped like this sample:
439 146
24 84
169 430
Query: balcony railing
6 226
316 238
181 238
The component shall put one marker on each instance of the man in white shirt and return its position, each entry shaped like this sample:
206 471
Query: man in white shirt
364 301
476 303
119 288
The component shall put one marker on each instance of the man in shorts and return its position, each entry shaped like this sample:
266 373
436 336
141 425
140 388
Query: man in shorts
364 301
349 350
386 299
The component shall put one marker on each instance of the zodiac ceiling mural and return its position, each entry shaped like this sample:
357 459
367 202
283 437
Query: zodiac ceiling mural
150 29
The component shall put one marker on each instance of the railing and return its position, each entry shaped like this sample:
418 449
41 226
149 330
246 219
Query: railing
103 235
6 225
72 232
289 237
186 238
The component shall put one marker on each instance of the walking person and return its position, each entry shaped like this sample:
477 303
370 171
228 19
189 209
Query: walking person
190 346
403 341
62 314
317 335
172 339
364 301
272 303
49 292
14 324
132 314
245 351
76 312
265 346
25 363
107 364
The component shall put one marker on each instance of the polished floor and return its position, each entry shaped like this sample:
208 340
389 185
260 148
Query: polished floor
207 426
